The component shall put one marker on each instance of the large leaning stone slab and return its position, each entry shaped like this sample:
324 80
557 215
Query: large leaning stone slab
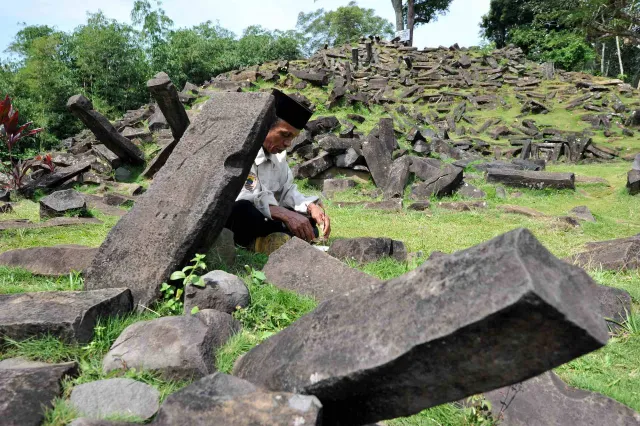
220 399
53 261
115 397
477 320
180 348
104 131
27 391
159 160
378 160
68 315
547 400
204 175
303 269
529 179
614 255
166 94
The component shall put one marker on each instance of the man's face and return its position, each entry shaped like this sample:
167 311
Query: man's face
280 137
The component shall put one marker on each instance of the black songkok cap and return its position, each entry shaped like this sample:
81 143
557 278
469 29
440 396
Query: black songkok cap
291 111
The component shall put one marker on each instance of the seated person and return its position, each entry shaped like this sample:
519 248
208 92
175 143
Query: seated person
270 209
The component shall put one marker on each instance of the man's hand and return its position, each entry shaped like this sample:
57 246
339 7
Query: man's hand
321 218
297 223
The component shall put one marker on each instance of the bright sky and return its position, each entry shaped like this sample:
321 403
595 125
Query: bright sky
459 26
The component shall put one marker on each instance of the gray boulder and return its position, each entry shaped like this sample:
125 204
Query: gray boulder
398 178
438 178
220 399
223 292
62 202
379 160
440 333
470 191
222 250
313 167
303 269
180 348
615 305
614 255
115 397
158 121
331 186
633 182
27 391
50 261
636 163
530 179
364 250
582 213
107 155
547 400
68 315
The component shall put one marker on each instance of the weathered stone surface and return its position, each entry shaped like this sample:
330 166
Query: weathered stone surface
529 179
521 210
26 392
212 159
68 315
223 292
349 159
335 145
51 261
387 134
470 191
438 178
365 250
547 400
55 179
301 268
398 178
107 155
463 206
633 182
122 174
378 159
230 401
222 250
315 78
180 348
615 304
331 186
322 125
614 255
582 213
363 367
104 131
56 221
5 195
636 163
159 160
420 206
313 167
62 202
115 397
83 421
158 121
166 94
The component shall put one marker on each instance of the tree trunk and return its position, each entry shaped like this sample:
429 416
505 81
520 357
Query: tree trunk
411 14
619 55
397 7
604 48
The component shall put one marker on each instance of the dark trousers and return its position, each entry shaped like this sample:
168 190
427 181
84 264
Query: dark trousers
247 224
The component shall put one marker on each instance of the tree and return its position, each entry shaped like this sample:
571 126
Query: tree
418 12
344 25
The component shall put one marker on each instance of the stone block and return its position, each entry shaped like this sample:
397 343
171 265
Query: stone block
530 179
166 95
53 261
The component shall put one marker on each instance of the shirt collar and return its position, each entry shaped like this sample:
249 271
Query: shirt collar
264 156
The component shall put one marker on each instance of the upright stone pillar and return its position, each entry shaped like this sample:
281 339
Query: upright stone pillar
369 47
166 95
104 131
354 57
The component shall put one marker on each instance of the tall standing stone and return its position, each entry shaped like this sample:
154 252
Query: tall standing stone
104 131
166 94
354 57
477 320
190 198
378 160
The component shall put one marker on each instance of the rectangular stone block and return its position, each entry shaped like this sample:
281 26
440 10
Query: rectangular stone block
190 198
531 179
166 94
490 316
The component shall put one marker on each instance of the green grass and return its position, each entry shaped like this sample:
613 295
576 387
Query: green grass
16 280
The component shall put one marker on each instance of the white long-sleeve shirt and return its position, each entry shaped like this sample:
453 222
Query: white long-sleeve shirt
270 183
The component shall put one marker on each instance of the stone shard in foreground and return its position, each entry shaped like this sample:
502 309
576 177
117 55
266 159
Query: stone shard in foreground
529 179
547 400
50 261
633 182
190 198
68 315
104 131
490 316
220 399
27 390
303 269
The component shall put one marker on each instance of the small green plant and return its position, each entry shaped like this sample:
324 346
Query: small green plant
171 299
257 277
172 294
478 411
188 274
630 326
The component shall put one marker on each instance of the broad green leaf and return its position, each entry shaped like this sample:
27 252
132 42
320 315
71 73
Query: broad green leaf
195 310
178 275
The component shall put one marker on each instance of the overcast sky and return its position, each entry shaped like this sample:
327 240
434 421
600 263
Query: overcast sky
459 26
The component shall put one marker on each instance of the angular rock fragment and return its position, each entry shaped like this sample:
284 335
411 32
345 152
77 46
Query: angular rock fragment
614 255
315 78
313 167
378 159
107 155
438 178
615 305
166 94
322 125
463 206
55 179
179 348
27 391
158 121
365 250
533 180
68 315
115 397
387 134
521 210
221 250
54 261
471 191
398 178
216 154
582 213
230 401
331 186
104 131
303 269
547 400
541 313
349 159
633 182
222 292
335 146
61 203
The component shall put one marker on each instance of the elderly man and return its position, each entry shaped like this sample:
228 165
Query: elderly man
270 209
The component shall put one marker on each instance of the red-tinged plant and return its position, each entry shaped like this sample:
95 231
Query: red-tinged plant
47 161
11 133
